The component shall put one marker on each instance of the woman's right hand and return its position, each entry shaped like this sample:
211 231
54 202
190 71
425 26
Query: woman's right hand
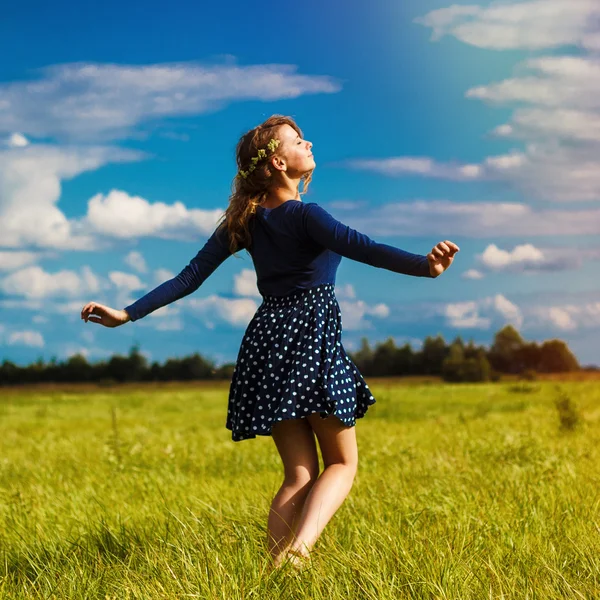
104 315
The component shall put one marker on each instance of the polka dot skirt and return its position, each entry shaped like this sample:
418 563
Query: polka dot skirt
292 363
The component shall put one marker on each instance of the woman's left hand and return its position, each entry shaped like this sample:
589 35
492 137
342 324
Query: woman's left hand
441 257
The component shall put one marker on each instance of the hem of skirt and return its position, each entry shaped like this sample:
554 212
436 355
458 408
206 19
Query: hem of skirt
253 434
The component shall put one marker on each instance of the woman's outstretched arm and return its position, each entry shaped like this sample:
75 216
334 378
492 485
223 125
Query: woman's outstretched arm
327 231
213 253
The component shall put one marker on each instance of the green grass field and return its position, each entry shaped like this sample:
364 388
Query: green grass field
463 492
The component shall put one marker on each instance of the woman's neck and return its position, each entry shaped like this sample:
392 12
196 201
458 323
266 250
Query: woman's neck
279 194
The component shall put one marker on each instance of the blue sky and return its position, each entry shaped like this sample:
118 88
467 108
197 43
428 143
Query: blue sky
474 122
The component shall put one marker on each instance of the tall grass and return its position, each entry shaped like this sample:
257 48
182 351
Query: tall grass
463 492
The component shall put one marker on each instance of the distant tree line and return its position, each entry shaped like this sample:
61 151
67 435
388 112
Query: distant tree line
457 361
121 369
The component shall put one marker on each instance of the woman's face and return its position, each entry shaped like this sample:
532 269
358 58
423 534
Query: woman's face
295 151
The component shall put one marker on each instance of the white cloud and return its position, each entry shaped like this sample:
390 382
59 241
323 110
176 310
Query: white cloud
91 282
354 313
569 317
345 291
378 310
527 258
162 275
169 325
566 124
563 94
46 304
30 187
548 171
561 318
415 165
165 318
17 140
71 308
26 338
465 315
33 282
83 102
472 274
522 256
126 281
561 125
237 312
551 171
479 314
136 261
244 284
15 260
471 220
106 101
503 130
549 73
87 335
168 310
533 25
125 284
123 216
511 312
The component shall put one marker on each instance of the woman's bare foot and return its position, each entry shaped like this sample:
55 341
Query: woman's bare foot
279 559
298 559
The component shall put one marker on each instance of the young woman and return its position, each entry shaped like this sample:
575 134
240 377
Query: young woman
293 379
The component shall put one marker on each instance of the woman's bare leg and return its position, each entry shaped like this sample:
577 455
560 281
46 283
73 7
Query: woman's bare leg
340 456
295 442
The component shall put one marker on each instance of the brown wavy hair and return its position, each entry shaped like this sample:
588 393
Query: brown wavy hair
250 192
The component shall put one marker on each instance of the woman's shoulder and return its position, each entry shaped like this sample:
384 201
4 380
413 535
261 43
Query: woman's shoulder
310 211
314 211
300 204
312 208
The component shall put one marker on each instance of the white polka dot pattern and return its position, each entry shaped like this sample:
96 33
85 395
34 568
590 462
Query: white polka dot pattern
292 363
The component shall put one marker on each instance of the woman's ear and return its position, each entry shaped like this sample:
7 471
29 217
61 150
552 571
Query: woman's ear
278 163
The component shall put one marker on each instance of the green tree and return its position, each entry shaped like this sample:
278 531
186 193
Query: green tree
195 367
9 372
457 367
555 357
453 364
363 357
504 354
224 371
77 368
383 358
529 356
477 368
432 355
405 360
128 368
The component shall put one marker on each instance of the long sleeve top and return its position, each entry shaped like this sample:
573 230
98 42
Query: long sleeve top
295 245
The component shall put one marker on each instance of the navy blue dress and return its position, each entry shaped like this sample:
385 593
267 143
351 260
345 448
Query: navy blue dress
291 361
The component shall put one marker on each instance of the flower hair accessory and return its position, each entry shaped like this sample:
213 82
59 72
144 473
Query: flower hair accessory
262 153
